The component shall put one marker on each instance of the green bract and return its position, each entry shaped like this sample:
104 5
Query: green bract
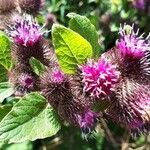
37 66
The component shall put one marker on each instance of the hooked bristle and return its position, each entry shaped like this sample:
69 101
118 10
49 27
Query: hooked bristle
131 44
23 81
130 107
41 51
7 6
31 6
54 86
78 115
135 69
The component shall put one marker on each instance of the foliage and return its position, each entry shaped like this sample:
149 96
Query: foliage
5 57
23 121
71 48
89 27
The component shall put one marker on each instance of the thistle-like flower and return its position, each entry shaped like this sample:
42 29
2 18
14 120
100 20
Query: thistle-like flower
131 44
135 69
87 121
131 107
57 76
99 78
50 20
54 86
25 31
78 114
139 4
31 6
26 80
41 51
23 83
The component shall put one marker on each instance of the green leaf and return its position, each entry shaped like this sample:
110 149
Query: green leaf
3 74
5 91
27 145
37 66
71 48
140 140
4 110
85 28
5 54
101 106
31 118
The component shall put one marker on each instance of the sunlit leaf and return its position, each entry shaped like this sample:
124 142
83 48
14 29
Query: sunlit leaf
71 48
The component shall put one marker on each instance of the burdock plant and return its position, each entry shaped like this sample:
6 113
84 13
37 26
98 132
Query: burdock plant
63 83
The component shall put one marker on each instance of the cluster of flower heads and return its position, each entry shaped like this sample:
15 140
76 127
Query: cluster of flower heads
27 42
120 76
131 103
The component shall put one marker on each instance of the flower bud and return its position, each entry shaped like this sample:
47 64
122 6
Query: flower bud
31 6
7 5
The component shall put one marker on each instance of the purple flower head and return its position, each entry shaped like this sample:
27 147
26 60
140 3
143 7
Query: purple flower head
25 31
26 81
139 4
131 44
88 121
50 19
54 86
31 6
99 77
131 107
57 76
145 63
